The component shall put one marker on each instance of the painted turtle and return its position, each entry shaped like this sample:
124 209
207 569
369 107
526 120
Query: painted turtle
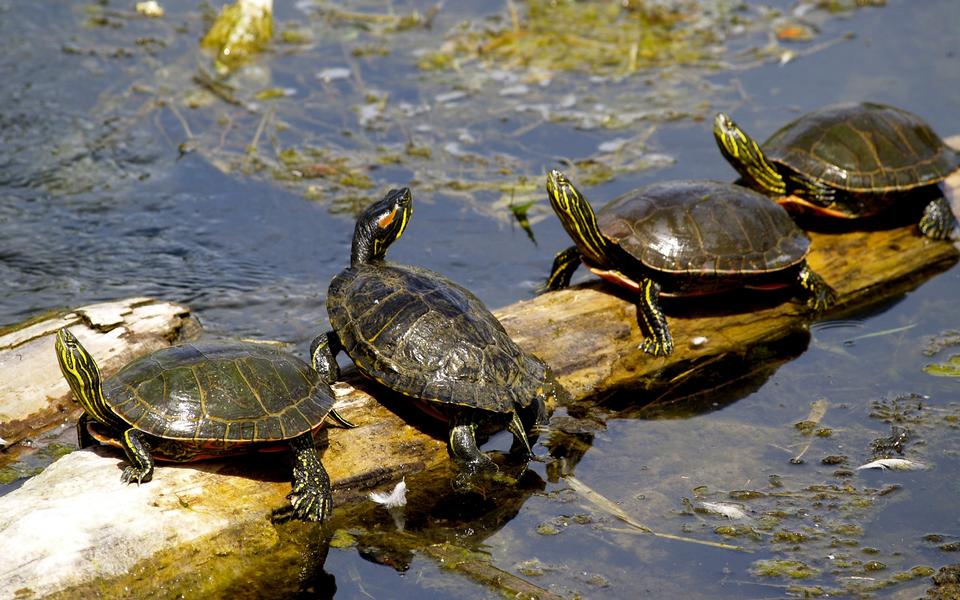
848 161
682 238
420 334
205 400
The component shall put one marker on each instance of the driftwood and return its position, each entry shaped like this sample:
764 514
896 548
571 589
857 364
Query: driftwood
588 334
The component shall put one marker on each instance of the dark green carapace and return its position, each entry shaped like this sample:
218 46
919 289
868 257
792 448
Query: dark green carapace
848 161
198 401
430 339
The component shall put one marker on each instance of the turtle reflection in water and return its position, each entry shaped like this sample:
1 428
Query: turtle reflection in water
682 238
848 161
431 340
206 400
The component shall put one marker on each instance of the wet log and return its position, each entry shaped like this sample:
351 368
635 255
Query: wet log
588 334
594 335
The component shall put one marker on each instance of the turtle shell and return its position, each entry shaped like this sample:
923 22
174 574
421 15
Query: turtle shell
703 228
863 148
426 337
222 393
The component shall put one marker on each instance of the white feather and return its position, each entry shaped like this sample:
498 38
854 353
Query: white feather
896 464
729 511
395 499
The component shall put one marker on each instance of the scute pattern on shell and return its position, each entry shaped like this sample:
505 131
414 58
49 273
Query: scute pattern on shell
866 148
429 338
703 228
220 392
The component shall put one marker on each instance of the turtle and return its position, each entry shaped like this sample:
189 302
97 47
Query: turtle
203 400
848 161
431 340
683 237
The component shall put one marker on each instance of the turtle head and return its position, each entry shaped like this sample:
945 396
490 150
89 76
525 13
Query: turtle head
744 154
577 217
381 224
82 374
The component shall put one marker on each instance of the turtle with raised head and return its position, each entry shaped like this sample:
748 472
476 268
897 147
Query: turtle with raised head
848 161
682 238
206 400
422 335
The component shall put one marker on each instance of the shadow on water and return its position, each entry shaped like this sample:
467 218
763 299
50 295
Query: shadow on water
725 381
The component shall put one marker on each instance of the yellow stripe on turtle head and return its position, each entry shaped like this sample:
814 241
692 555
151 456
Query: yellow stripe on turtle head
82 375
577 217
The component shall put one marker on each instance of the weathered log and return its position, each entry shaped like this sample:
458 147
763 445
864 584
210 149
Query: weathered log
588 334
32 395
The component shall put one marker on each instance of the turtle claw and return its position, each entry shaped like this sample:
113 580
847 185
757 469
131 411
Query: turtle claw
820 296
822 300
131 474
310 493
310 506
657 347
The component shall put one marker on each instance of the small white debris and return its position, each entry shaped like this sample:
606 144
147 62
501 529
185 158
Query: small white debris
454 149
150 9
729 511
466 137
502 76
395 499
333 73
698 341
3 443
614 145
449 97
658 160
369 113
515 90
895 464
341 389
786 57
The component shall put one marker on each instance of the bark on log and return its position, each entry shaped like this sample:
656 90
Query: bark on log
33 397
588 334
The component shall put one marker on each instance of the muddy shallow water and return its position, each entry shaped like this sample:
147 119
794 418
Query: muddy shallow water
124 172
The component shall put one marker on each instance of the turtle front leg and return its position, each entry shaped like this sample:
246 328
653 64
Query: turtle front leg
564 264
820 295
815 191
938 221
658 340
323 355
311 496
135 445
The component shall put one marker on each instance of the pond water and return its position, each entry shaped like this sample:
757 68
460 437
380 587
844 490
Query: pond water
124 172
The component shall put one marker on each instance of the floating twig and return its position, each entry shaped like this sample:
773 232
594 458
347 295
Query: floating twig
880 333
606 505
818 408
